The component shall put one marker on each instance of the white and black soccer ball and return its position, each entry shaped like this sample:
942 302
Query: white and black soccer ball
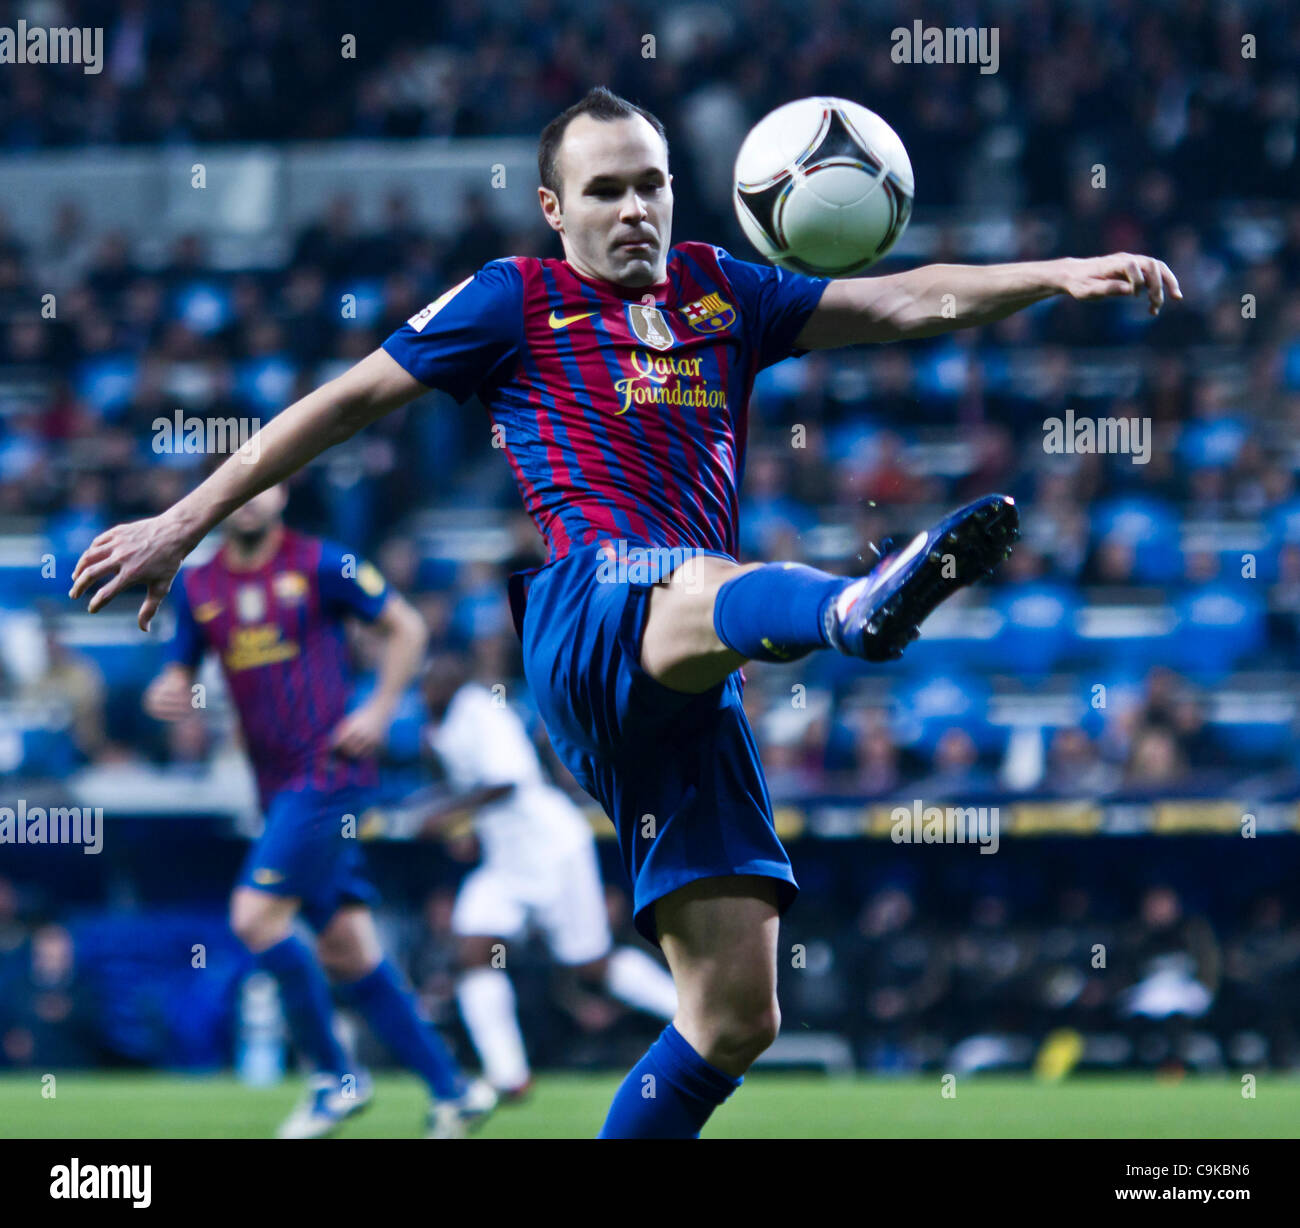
823 186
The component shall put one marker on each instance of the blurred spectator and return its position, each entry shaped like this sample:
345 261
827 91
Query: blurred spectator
70 678
13 933
1261 987
1075 768
900 971
956 769
1155 761
1070 987
47 1018
878 760
1171 964
991 961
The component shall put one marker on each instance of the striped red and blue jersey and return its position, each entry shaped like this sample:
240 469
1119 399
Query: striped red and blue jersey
278 631
622 411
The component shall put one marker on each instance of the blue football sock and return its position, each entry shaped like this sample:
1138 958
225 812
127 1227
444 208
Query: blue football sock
389 1007
305 994
669 1093
776 612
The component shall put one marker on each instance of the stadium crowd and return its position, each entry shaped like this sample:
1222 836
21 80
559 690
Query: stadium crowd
844 447
1140 643
905 986
1166 82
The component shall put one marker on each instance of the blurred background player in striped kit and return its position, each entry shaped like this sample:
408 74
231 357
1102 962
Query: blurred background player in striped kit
271 604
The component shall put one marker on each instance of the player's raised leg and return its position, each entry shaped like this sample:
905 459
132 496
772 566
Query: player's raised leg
719 936
352 954
714 615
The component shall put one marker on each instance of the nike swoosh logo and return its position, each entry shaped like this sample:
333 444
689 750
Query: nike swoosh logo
896 562
559 321
901 560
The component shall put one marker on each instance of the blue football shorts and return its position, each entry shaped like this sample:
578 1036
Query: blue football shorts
303 852
679 775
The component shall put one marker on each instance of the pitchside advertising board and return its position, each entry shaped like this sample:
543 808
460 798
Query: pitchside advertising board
920 820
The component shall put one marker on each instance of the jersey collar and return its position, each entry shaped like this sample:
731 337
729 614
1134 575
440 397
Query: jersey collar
632 294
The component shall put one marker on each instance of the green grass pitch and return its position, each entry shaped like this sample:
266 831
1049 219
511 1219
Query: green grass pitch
770 1105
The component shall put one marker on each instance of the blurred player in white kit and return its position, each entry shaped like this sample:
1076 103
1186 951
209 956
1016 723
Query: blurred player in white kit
539 870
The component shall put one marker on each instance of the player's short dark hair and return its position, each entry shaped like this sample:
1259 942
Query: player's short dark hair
599 103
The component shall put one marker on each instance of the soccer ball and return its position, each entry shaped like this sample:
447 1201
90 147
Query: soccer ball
823 186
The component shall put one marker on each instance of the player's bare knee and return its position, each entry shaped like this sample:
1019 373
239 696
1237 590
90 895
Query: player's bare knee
739 1036
257 929
331 955
757 1027
259 921
348 947
732 1025
346 968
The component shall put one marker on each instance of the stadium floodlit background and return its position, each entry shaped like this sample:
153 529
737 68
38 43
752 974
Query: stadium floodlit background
235 209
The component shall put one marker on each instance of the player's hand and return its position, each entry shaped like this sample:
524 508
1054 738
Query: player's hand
1119 274
147 552
360 733
168 697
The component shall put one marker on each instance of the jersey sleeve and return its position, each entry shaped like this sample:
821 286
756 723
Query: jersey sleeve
468 336
186 647
350 585
774 304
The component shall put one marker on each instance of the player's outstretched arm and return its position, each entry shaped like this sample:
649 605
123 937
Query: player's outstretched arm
150 552
405 634
436 822
940 298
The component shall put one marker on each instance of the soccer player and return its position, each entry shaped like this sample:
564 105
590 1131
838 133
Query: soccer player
538 868
271 605
618 380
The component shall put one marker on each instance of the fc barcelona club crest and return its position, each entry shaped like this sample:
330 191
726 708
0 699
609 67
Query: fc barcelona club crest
650 326
290 587
710 314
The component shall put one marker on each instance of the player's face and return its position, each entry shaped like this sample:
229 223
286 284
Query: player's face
259 515
441 682
616 215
